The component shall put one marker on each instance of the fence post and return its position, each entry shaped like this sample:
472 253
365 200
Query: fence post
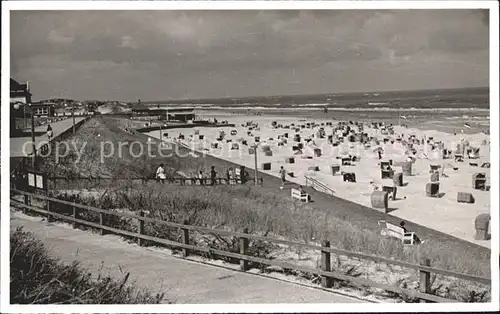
49 216
26 202
185 239
425 277
244 251
326 265
140 229
75 216
101 222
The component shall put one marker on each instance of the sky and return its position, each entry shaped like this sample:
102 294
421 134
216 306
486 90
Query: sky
163 55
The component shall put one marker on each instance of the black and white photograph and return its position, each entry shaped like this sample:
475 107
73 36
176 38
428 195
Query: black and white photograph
230 156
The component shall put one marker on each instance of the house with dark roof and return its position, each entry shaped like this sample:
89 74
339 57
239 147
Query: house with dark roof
21 104
19 93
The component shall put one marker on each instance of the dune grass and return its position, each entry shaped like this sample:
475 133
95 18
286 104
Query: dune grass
38 278
236 207
264 213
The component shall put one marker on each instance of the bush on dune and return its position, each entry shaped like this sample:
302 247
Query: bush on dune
37 278
102 149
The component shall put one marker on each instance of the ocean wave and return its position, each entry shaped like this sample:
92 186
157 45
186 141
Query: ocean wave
309 108
485 118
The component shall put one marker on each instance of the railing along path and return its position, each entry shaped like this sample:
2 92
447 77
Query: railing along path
171 180
318 186
327 275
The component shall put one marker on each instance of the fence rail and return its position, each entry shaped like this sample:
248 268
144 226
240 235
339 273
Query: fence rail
180 180
325 272
318 186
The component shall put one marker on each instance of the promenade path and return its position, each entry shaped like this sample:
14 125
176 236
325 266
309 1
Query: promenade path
17 144
182 281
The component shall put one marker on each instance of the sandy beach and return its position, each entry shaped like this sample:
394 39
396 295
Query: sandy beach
444 214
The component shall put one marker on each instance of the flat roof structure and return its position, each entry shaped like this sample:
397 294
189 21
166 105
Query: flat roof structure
166 107
165 112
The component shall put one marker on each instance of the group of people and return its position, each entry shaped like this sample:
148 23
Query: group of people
231 176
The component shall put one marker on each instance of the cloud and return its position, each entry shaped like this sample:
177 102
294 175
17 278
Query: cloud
57 37
128 42
226 53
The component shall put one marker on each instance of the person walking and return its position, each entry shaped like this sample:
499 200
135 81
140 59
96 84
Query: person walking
160 173
213 176
49 132
283 177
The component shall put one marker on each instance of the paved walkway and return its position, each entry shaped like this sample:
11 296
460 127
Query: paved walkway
182 281
17 143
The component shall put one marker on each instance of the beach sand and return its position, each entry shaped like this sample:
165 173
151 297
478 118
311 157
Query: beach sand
444 214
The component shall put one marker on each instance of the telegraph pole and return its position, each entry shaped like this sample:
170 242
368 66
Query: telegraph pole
73 114
32 124
256 171
33 135
25 123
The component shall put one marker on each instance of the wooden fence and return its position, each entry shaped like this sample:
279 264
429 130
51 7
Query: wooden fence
173 180
326 273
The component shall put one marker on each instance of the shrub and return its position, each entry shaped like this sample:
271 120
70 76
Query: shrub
37 278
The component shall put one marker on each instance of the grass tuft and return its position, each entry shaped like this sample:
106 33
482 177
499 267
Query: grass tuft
37 278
